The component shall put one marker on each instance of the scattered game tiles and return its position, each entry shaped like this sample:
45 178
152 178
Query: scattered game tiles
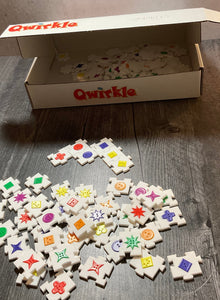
74 217
83 153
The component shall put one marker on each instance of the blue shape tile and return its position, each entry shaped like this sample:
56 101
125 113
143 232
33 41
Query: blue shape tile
185 265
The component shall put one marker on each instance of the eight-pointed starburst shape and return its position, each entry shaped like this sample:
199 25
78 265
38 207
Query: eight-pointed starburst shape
25 218
85 193
19 197
62 191
95 267
132 242
97 215
138 212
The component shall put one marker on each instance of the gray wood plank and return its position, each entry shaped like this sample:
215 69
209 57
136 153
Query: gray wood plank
173 143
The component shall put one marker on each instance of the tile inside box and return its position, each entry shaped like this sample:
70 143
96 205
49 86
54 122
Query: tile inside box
139 61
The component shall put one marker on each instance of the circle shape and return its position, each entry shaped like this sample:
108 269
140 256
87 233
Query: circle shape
147 234
140 191
116 245
48 218
87 154
78 147
120 185
3 231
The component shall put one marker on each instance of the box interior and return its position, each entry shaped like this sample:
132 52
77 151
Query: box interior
45 69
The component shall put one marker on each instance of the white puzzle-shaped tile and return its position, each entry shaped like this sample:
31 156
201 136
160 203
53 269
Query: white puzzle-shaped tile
101 233
169 216
61 157
72 239
119 187
7 229
63 257
15 245
80 225
140 189
123 220
148 264
46 242
24 220
112 249
106 203
73 204
97 215
38 182
19 199
50 217
36 205
169 198
137 213
9 186
86 192
30 262
59 288
60 191
150 235
131 242
96 268
185 267
153 199
35 279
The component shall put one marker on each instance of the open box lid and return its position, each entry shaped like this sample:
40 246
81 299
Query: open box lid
83 35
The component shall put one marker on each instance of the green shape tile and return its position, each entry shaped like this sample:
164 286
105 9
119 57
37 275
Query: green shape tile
8 185
38 180
3 231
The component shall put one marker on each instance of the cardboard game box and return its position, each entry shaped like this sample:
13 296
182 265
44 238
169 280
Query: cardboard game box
49 43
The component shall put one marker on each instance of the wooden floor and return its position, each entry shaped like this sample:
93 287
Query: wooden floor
174 144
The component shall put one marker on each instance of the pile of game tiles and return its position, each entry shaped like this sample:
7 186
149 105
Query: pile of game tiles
139 61
88 218
60 226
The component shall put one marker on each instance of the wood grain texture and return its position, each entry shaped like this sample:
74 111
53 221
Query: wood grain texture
173 143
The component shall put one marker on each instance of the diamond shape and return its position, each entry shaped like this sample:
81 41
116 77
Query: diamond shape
79 224
146 262
48 240
38 180
122 163
112 154
185 265
36 204
8 185
103 145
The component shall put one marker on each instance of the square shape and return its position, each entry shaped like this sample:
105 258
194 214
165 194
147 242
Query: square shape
8 185
146 262
122 163
112 154
38 180
36 204
72 202
79 224
48 240
185 265
103 145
